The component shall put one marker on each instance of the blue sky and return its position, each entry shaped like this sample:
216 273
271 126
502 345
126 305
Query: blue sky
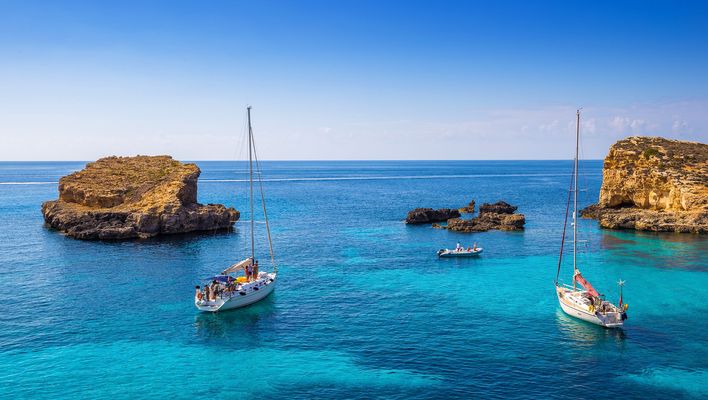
347 79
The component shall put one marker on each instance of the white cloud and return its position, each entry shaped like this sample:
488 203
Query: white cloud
549 127
465 133
679 126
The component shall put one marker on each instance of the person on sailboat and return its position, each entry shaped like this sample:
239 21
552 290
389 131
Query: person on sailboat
214 290
249 272
207 293
255 270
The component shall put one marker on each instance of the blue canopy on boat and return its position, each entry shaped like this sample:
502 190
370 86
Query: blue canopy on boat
220 278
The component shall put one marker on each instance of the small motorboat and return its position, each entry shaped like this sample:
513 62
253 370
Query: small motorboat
459 252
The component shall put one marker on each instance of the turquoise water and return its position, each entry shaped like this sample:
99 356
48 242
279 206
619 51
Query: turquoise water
363 308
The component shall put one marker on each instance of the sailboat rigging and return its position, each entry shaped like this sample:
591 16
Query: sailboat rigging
228 290
584 303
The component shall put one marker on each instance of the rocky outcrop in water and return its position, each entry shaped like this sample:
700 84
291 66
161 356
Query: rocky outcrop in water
428 215
500 215
500 207
469 208
130 197
654 184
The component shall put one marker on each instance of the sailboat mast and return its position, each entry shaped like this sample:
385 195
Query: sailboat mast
250 179
575 197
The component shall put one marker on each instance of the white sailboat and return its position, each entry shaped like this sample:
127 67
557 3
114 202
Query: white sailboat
228 290
585 302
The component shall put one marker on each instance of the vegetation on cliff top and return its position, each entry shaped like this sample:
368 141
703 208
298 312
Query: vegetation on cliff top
135 183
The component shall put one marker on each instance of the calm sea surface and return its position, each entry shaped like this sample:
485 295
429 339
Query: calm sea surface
363 308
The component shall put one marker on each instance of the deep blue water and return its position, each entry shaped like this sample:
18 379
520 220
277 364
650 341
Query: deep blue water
363 308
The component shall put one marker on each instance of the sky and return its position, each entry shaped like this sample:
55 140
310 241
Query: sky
347 79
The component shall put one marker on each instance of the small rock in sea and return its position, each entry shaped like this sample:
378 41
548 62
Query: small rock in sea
499 215
428 215
500 207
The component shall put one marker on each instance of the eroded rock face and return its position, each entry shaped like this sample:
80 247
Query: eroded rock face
428 215
130 197
654 184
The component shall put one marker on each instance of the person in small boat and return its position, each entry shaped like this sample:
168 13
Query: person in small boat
255 270
207 293
198 294
458 247
474 247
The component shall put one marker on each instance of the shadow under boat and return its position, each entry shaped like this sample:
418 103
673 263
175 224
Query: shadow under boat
583 332
237 320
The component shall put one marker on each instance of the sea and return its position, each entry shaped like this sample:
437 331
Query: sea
364 309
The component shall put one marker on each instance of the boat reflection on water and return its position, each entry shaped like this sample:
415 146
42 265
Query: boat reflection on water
585 334
236 322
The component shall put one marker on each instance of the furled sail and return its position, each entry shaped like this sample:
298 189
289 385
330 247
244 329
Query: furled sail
584 283
238 266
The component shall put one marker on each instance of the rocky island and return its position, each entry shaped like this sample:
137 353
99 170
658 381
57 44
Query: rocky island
654 184
133 197
500 215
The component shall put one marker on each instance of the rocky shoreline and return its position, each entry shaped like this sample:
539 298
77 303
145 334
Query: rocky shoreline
133 197
654 184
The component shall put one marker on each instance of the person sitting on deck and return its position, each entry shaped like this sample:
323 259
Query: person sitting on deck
474 247
458 247
198 295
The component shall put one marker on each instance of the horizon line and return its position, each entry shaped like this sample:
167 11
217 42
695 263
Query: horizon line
326 160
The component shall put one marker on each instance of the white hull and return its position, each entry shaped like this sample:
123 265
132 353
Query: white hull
252 293
570 304
445 253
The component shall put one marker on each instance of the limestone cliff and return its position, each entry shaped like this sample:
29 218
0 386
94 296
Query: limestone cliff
654 184
129 197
